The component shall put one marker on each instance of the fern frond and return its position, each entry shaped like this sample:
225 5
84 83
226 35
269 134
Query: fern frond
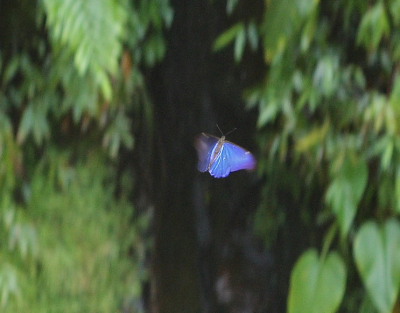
92 31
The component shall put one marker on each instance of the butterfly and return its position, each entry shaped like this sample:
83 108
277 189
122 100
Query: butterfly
221 157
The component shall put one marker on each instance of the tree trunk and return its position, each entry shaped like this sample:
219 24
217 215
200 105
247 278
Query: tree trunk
180 85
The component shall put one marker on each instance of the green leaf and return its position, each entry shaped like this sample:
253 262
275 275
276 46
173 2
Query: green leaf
308 33
9 284
267 112
23 237
252 35
283 21
394 98
34 121
394 7
326 75
397 190
346 190
377 256
387 154
313 138
11 70
317 285
228 36
374 26
230 6
240 42
117 134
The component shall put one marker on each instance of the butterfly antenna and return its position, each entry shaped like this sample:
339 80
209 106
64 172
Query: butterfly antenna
230 132
220 130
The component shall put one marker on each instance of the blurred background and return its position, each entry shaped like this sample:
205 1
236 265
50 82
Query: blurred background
102 208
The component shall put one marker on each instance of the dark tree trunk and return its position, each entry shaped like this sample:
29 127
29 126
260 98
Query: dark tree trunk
194 89
179 85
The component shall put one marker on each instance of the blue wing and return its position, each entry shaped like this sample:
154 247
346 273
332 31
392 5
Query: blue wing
205 145
232 158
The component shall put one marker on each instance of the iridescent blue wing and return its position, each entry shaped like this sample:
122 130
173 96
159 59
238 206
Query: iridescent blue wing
239 158
205 145
232 158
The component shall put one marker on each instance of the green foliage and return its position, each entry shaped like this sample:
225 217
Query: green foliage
70 87
374 26
88 74
329 129
69 249
377 254
83 29
278 35
148 20
346 190
317 284
237 34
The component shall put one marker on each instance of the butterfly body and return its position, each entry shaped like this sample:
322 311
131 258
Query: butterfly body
221 157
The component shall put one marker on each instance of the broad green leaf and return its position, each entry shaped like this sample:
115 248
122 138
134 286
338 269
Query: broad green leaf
346 190
317 285
377 256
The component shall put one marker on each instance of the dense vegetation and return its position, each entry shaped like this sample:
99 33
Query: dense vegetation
71 93
323 80
329 121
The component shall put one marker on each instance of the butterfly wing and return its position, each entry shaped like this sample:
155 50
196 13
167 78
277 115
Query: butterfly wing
205 146
232 158
239 158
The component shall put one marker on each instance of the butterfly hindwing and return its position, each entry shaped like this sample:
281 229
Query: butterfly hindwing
205 145
230 159
239 158
221 166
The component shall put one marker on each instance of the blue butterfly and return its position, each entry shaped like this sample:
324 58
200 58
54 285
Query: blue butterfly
220 157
